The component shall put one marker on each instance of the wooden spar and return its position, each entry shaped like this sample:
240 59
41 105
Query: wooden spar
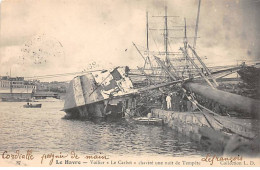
147 75
139 51
166 37
203 65
150 64
196 66
144 89
147 34
142 71
147 42
171 74
223 73
230 100
145 59
197 25
145 62
170 63
185 41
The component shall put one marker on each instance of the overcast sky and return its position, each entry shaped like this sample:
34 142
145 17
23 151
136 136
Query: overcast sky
40 37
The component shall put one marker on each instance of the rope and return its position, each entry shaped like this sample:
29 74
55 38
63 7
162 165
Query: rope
201 112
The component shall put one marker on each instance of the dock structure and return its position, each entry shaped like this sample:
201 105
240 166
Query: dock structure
44 94
214 131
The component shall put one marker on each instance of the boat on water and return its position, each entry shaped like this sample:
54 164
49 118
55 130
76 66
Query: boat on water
148 121
32 105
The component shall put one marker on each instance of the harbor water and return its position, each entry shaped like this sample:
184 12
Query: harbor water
44 129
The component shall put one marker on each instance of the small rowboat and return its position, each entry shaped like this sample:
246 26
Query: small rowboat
149 121
32 105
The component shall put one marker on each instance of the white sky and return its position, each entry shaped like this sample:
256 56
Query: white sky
40 37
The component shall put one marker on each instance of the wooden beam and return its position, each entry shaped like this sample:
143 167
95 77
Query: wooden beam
203 65
171 74
142 71
196 66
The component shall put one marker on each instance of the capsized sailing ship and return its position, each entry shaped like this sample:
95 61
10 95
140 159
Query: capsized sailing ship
104 93
101 93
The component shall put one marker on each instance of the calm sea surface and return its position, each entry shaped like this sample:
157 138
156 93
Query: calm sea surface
44 130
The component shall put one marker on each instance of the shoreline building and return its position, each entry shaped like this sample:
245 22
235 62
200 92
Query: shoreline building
16 89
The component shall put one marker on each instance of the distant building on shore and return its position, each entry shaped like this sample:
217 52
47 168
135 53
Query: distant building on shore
16 89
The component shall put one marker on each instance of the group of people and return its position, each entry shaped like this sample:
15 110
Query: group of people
186 102
177 101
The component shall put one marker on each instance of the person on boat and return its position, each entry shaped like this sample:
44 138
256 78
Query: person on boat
169 102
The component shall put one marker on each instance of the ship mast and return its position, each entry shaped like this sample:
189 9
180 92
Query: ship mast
166 37
185 41
147 34
197 25
11 83
147 43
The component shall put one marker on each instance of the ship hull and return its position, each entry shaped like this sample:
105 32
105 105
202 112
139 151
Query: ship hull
102 94
95 110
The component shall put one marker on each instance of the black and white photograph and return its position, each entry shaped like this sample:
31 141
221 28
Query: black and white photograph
129 83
